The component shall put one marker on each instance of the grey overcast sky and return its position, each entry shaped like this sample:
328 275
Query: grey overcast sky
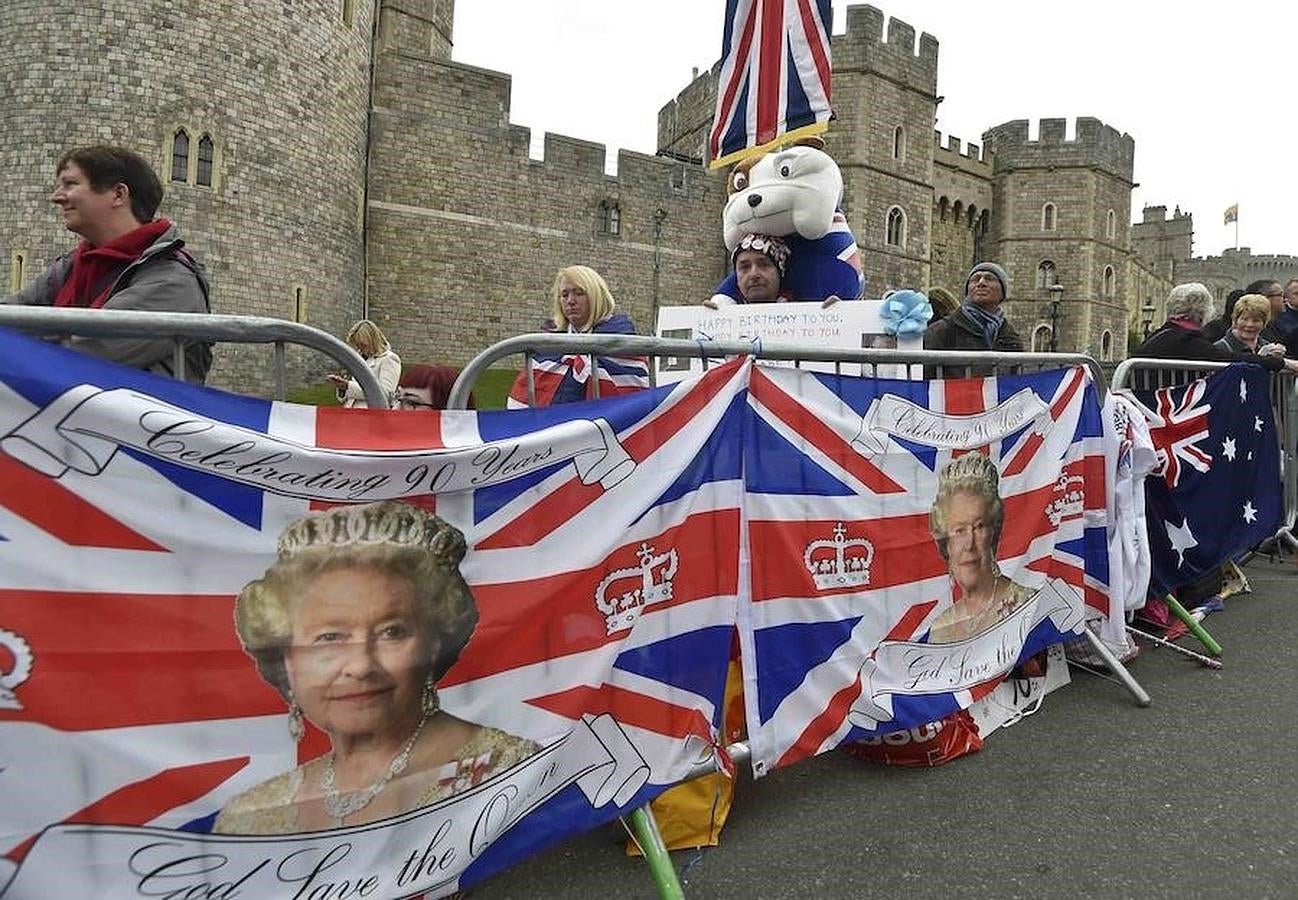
1209 91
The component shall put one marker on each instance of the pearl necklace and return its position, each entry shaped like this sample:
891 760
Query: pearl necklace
340 806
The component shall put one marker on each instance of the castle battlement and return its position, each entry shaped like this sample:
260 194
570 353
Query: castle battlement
863 47
1094 145
960 155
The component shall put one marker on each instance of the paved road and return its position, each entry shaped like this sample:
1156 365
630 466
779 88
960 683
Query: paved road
1195 796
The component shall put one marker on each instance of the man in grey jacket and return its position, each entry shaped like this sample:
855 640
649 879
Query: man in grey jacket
127 259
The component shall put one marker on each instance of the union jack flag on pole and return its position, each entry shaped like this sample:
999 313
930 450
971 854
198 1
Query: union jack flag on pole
775 76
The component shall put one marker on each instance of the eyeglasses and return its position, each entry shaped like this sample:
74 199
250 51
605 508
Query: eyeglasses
983 276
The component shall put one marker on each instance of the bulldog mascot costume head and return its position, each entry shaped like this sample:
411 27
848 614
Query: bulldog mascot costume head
794 193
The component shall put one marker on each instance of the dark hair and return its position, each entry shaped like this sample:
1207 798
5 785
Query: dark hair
1260 286
107 167
1231 299
437 380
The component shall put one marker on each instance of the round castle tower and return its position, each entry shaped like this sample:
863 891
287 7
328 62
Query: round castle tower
255 123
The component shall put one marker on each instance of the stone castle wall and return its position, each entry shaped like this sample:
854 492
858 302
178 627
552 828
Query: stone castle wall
283 95
465 242
1084 179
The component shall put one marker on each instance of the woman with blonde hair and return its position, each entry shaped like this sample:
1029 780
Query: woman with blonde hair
368 340
360 616
1247 320
581 303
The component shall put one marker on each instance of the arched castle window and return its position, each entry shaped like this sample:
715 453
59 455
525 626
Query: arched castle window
1048 217
896 233
899 143
1046 274
206 150
17 271
971 217
943 207
984 221
957 211
180 156
1041 339
1106 346
610 218
1111 225
1109 281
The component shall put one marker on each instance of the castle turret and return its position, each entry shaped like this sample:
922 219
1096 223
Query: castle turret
1063 208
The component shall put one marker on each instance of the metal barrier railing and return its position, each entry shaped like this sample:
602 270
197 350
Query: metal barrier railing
185 327
937 363
1151 374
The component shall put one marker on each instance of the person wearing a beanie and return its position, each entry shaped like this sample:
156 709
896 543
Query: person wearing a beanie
759 261
979 324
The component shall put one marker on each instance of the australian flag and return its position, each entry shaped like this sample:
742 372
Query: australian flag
1216 490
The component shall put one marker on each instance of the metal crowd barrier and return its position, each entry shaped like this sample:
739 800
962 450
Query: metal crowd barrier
936 363
184 327
1151 374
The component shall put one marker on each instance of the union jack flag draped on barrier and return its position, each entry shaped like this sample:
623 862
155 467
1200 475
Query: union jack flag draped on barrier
854 628
775 76
1216 490
132 511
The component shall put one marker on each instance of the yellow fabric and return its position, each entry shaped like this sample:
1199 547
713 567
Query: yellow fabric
692 814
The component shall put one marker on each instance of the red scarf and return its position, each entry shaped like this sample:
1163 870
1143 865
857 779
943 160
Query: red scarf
96 269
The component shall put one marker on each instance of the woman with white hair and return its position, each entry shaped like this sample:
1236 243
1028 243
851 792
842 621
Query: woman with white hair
1189 306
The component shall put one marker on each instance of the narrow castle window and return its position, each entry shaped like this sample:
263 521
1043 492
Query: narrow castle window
896 236
1048 217
1106 346
1111 225
899 143
1041 339
348 13
299 303
180 156
1046 275
205 152
610 218
1109 280
17 271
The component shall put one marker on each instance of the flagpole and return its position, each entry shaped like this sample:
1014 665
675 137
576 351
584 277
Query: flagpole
1236 229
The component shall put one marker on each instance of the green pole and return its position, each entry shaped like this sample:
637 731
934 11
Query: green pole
645 829
1195 628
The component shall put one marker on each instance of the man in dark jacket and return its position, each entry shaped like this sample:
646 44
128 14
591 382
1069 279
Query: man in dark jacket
978 326
127 259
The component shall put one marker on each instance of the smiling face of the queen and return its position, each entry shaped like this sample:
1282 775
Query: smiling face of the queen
359 657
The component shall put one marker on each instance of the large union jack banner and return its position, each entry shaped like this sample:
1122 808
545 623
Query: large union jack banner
910 543
1216 489
141 746
775 76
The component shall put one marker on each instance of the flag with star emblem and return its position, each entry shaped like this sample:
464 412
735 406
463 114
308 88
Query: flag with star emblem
1216 489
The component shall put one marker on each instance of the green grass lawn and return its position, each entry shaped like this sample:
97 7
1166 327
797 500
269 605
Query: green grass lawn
490 393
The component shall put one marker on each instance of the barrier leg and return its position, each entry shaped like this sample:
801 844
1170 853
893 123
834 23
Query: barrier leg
1195 628
645 829
1116 667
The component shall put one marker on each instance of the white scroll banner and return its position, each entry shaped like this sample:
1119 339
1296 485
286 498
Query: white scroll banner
82 429
913 668
420 852
896 416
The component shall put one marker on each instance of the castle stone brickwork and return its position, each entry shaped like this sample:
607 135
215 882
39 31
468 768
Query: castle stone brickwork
357 167
283 97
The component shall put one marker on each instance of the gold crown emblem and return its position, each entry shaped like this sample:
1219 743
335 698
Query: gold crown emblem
624 592
841 562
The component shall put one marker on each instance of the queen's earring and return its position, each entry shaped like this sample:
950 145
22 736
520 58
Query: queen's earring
428 697
295 727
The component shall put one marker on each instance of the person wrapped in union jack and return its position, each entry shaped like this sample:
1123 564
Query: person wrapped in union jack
361 614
